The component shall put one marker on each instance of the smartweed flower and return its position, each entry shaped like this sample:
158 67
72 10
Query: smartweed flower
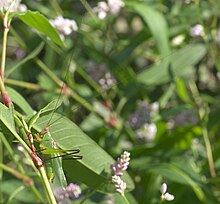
110 7
141 121
147 133
101 75
121 164
64 26
196 30
70 193
184 118
119 184
164 194
73 190
18 6
101 9
143 114
115 6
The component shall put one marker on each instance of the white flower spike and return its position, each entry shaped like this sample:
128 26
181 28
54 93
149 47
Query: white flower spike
164 194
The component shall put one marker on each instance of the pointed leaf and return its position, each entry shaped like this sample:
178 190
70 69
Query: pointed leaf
156 23
94 168
37 21
182 62
176 174
20 101
6 116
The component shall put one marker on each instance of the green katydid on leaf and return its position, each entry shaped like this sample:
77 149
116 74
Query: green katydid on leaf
53 163
63 138
94 169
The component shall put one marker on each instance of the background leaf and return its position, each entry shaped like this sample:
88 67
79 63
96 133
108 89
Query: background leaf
41 24
182 62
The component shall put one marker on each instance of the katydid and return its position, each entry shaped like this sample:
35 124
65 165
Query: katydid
52 156
51 153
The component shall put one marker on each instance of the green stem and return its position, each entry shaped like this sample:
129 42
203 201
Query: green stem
14 158
6 25
89 9
1 171
47 185
27 180
81 100
89 80
56 7
203 115
88 195
23 84
11 152
21 188
47 70
60 83
209 152
4 43
125 199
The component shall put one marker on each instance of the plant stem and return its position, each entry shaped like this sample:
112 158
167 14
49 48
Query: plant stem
89 80
24 84
89 9
10 152
4 43
6 25
47 185
209 152
49 73
21 188
125 199
81 100
88 195
1 171
13 156
62 85
56 7
27 180
203 116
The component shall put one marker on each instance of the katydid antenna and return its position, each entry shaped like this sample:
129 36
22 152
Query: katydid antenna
62 88
89 100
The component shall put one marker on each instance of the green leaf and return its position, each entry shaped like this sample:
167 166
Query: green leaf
174 173
32 55
41 24
53 105
156 23
7 121
23 195
182 91
91 122
6 116
182 62
20 101
94 168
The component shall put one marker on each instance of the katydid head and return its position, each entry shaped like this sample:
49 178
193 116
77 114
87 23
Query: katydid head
44 131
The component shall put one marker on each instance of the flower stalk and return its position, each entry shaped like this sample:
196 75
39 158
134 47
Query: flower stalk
203 113
6 26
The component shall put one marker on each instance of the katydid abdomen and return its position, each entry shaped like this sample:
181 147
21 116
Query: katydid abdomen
53 161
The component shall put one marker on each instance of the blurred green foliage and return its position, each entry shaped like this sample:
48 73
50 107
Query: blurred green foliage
156 71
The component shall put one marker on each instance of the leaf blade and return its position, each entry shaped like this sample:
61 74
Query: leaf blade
40 23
